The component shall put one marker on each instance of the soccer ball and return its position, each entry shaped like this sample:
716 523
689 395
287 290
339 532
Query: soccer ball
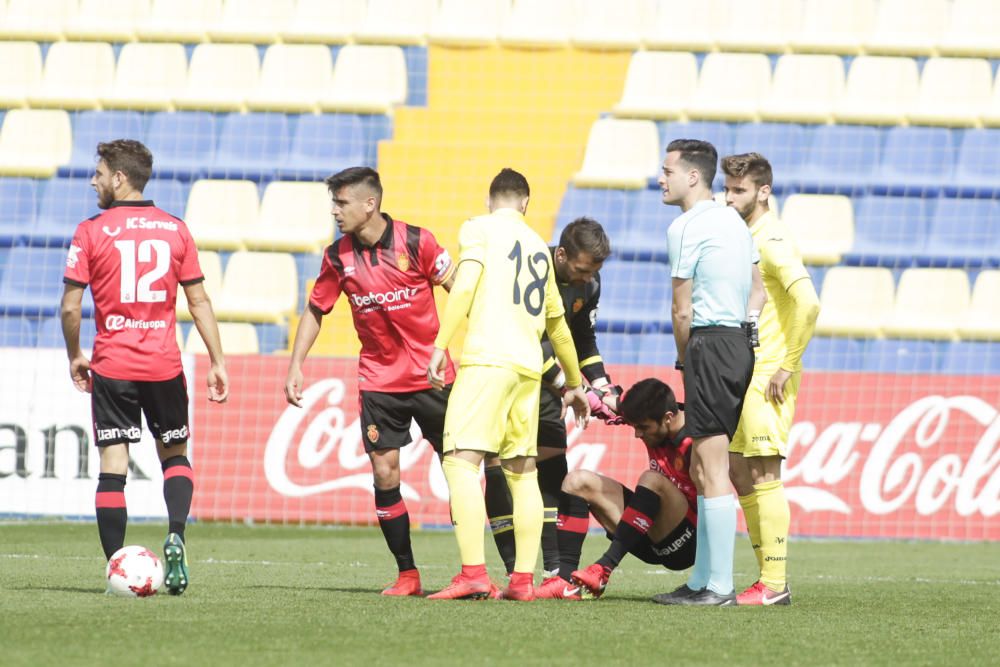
134 572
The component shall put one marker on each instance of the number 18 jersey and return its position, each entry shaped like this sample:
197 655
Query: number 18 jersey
133 256
516 293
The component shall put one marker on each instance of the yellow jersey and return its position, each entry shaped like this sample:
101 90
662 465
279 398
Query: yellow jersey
780 266
516 292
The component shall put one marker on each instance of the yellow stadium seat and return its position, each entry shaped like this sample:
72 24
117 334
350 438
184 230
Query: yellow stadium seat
908 27
765 25
929 304
211 268
148 77
367 79
256 21
34 142
834 27
991 116
731 87
620 154
236 338
107 20
258 287
805 89
22 71
982 319
324 22
41 20
538 24
973 30
468 22
179 20
292 78
659 85
854 301
403 22
219 211
294 217
220 77
76 76
953 91
680 25
823 226
610 25
880 91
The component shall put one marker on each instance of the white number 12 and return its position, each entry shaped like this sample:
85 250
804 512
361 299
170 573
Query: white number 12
140 291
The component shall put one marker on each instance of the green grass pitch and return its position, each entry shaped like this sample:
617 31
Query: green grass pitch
309 596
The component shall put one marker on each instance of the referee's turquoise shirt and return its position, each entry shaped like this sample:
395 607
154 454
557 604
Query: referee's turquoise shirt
711 245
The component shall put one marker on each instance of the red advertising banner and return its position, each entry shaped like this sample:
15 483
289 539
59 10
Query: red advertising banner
870 455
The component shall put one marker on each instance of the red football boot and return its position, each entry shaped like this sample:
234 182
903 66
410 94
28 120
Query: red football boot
592 581
557 588
521 587
407 584
761 595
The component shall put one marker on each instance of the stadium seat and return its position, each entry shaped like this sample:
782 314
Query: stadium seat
396 22
323 145
367 79
148 77
902 356
324 22
168 194
292 78
50 333
236 338
682 25
258 287
977 171
16 332
731 87
972 30
93 127
251 146
929 303
294 217
991 116
76 76
63 204
953 91
179 21
760 26
908 27
32 283
34 142
468 22
972 358
823 226
982 320
18 201
783 144
40 20
879 91
805 89
619 154
218 212
211 268
254 21
619 348
915 161
718 134
964 233
645 237
888 231
220 77
841 159
22 71
538 24
854 301
834 27
605 25
635 297
182 143
106 20
609 207
834 354
657 349
658 85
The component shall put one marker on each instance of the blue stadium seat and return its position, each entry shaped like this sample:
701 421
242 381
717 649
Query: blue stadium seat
50 333
16 332
888 231
608 207
977 172
271 337
964 233
168 194
93 127
251 146
325 144
783 144
717 133
841 159
635 297
618 348
645 237
182 142
657 349
65 203
896 355
972 358
834 354
32 282
18 203
915 161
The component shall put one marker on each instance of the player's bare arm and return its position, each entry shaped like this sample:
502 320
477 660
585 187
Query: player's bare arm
680 314
305 336
200 307
71 313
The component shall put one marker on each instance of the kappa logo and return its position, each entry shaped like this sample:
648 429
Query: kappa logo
112 233
372 433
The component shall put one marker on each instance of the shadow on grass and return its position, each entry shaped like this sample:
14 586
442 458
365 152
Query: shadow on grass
59 589
327 589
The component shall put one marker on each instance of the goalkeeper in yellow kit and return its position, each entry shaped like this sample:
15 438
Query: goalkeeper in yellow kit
506 286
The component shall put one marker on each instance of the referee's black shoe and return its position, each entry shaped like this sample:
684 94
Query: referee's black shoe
709 598
677 595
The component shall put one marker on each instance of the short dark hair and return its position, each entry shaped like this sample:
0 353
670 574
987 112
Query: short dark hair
753 165
648 399
509 182
585 235
355 176
130 157
698 154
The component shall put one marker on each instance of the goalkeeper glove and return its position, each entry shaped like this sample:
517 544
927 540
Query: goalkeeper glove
599 407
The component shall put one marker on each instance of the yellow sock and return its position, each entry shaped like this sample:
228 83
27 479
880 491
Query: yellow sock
529 512
468 509
775 516
752 516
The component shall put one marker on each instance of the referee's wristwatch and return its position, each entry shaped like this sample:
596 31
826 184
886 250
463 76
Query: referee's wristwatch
679 365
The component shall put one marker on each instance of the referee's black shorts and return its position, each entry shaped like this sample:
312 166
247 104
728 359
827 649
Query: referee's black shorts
718 366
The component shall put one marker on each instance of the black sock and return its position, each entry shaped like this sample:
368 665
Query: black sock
551 473
111 512
394 521
500 511
178 487
635 523
572 524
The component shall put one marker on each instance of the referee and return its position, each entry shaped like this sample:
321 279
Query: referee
713 266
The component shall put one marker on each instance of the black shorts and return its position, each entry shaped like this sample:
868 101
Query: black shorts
118 406
551 425
386 417
718 366
674 552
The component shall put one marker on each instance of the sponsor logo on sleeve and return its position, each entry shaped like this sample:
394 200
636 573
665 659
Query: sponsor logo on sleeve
71 258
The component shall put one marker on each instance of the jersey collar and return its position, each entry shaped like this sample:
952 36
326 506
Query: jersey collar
384 241
762 222
131 203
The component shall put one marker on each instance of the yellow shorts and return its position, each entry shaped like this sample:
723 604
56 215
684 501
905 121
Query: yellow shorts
764 425
493 409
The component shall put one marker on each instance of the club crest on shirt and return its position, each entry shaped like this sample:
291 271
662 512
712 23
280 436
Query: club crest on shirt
372 433
577 305
403 262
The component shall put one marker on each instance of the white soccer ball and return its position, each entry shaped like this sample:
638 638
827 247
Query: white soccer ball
134 572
